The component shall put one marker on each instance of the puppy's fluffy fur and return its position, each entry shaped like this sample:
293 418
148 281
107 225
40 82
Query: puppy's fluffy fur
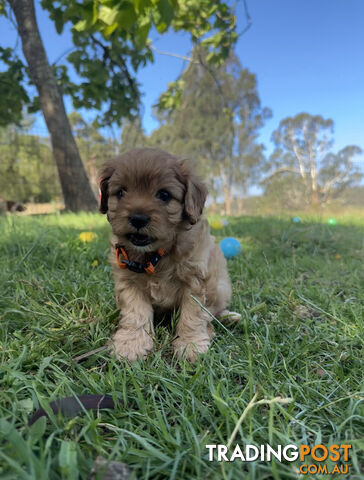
193 264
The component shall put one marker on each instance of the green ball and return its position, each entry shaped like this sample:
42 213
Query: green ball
332 221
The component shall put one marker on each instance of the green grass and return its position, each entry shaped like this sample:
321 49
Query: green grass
299 290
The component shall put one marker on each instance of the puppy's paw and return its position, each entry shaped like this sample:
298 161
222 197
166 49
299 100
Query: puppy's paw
189 350
131 344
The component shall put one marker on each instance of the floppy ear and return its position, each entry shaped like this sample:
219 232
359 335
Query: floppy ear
104 177
195 197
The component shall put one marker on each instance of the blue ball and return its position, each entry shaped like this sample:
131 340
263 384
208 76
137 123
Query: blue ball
296 219
230 247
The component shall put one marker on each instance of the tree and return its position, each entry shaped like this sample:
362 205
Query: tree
132 135
110 44
76 189
27 170
303 166
338 172
216 123
94 147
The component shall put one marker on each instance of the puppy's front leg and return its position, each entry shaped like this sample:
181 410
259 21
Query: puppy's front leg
133 338
192 330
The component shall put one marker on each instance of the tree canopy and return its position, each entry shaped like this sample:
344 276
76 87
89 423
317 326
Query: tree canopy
13 94
303 168
216 123
212 113
110 43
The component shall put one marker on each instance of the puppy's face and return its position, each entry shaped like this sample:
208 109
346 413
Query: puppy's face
148 195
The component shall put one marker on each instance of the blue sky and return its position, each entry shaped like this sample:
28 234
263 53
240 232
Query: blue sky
307 55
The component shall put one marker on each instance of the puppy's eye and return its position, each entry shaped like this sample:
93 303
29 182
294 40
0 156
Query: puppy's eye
163 195
119 193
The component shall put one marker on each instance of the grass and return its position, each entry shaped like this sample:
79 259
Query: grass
299 289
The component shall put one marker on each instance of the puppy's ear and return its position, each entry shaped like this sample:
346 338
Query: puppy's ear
104 177
195 197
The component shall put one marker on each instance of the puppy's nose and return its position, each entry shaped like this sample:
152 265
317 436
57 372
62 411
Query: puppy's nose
138 220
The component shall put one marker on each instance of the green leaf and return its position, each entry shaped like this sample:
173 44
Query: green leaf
68 460
26 404
58 21
167 12
141 5
108 15
110 29
20 446
95 12
161 18
80 26
5 427
127 17
142 34
37 429
2 9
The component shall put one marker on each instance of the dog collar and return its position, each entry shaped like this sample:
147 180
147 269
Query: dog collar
137 267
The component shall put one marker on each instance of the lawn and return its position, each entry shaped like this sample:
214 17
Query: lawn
299 288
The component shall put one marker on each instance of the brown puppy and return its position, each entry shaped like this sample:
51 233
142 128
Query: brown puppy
162 252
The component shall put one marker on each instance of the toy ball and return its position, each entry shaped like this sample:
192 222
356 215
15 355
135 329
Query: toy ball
230 247
332 221
296 219
87 236
217 224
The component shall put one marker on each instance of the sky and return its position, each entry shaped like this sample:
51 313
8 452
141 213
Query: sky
307 55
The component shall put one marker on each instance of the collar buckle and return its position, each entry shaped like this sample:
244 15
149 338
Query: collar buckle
137 267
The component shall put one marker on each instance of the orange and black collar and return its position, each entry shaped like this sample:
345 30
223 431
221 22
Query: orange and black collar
137 267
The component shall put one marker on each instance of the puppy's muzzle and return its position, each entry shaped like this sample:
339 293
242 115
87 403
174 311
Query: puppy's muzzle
139 220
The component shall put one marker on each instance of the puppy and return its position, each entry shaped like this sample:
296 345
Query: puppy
162 252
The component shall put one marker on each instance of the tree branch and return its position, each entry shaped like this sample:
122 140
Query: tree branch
63 54
175 55
300 163
123 66
248 20
341 177
282 170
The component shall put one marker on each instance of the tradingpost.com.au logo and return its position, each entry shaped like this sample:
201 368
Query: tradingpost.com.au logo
338 453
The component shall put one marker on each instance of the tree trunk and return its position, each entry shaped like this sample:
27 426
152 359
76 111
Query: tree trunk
76 188
228 200
240 205
226 192
228 207
315 197
92 174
